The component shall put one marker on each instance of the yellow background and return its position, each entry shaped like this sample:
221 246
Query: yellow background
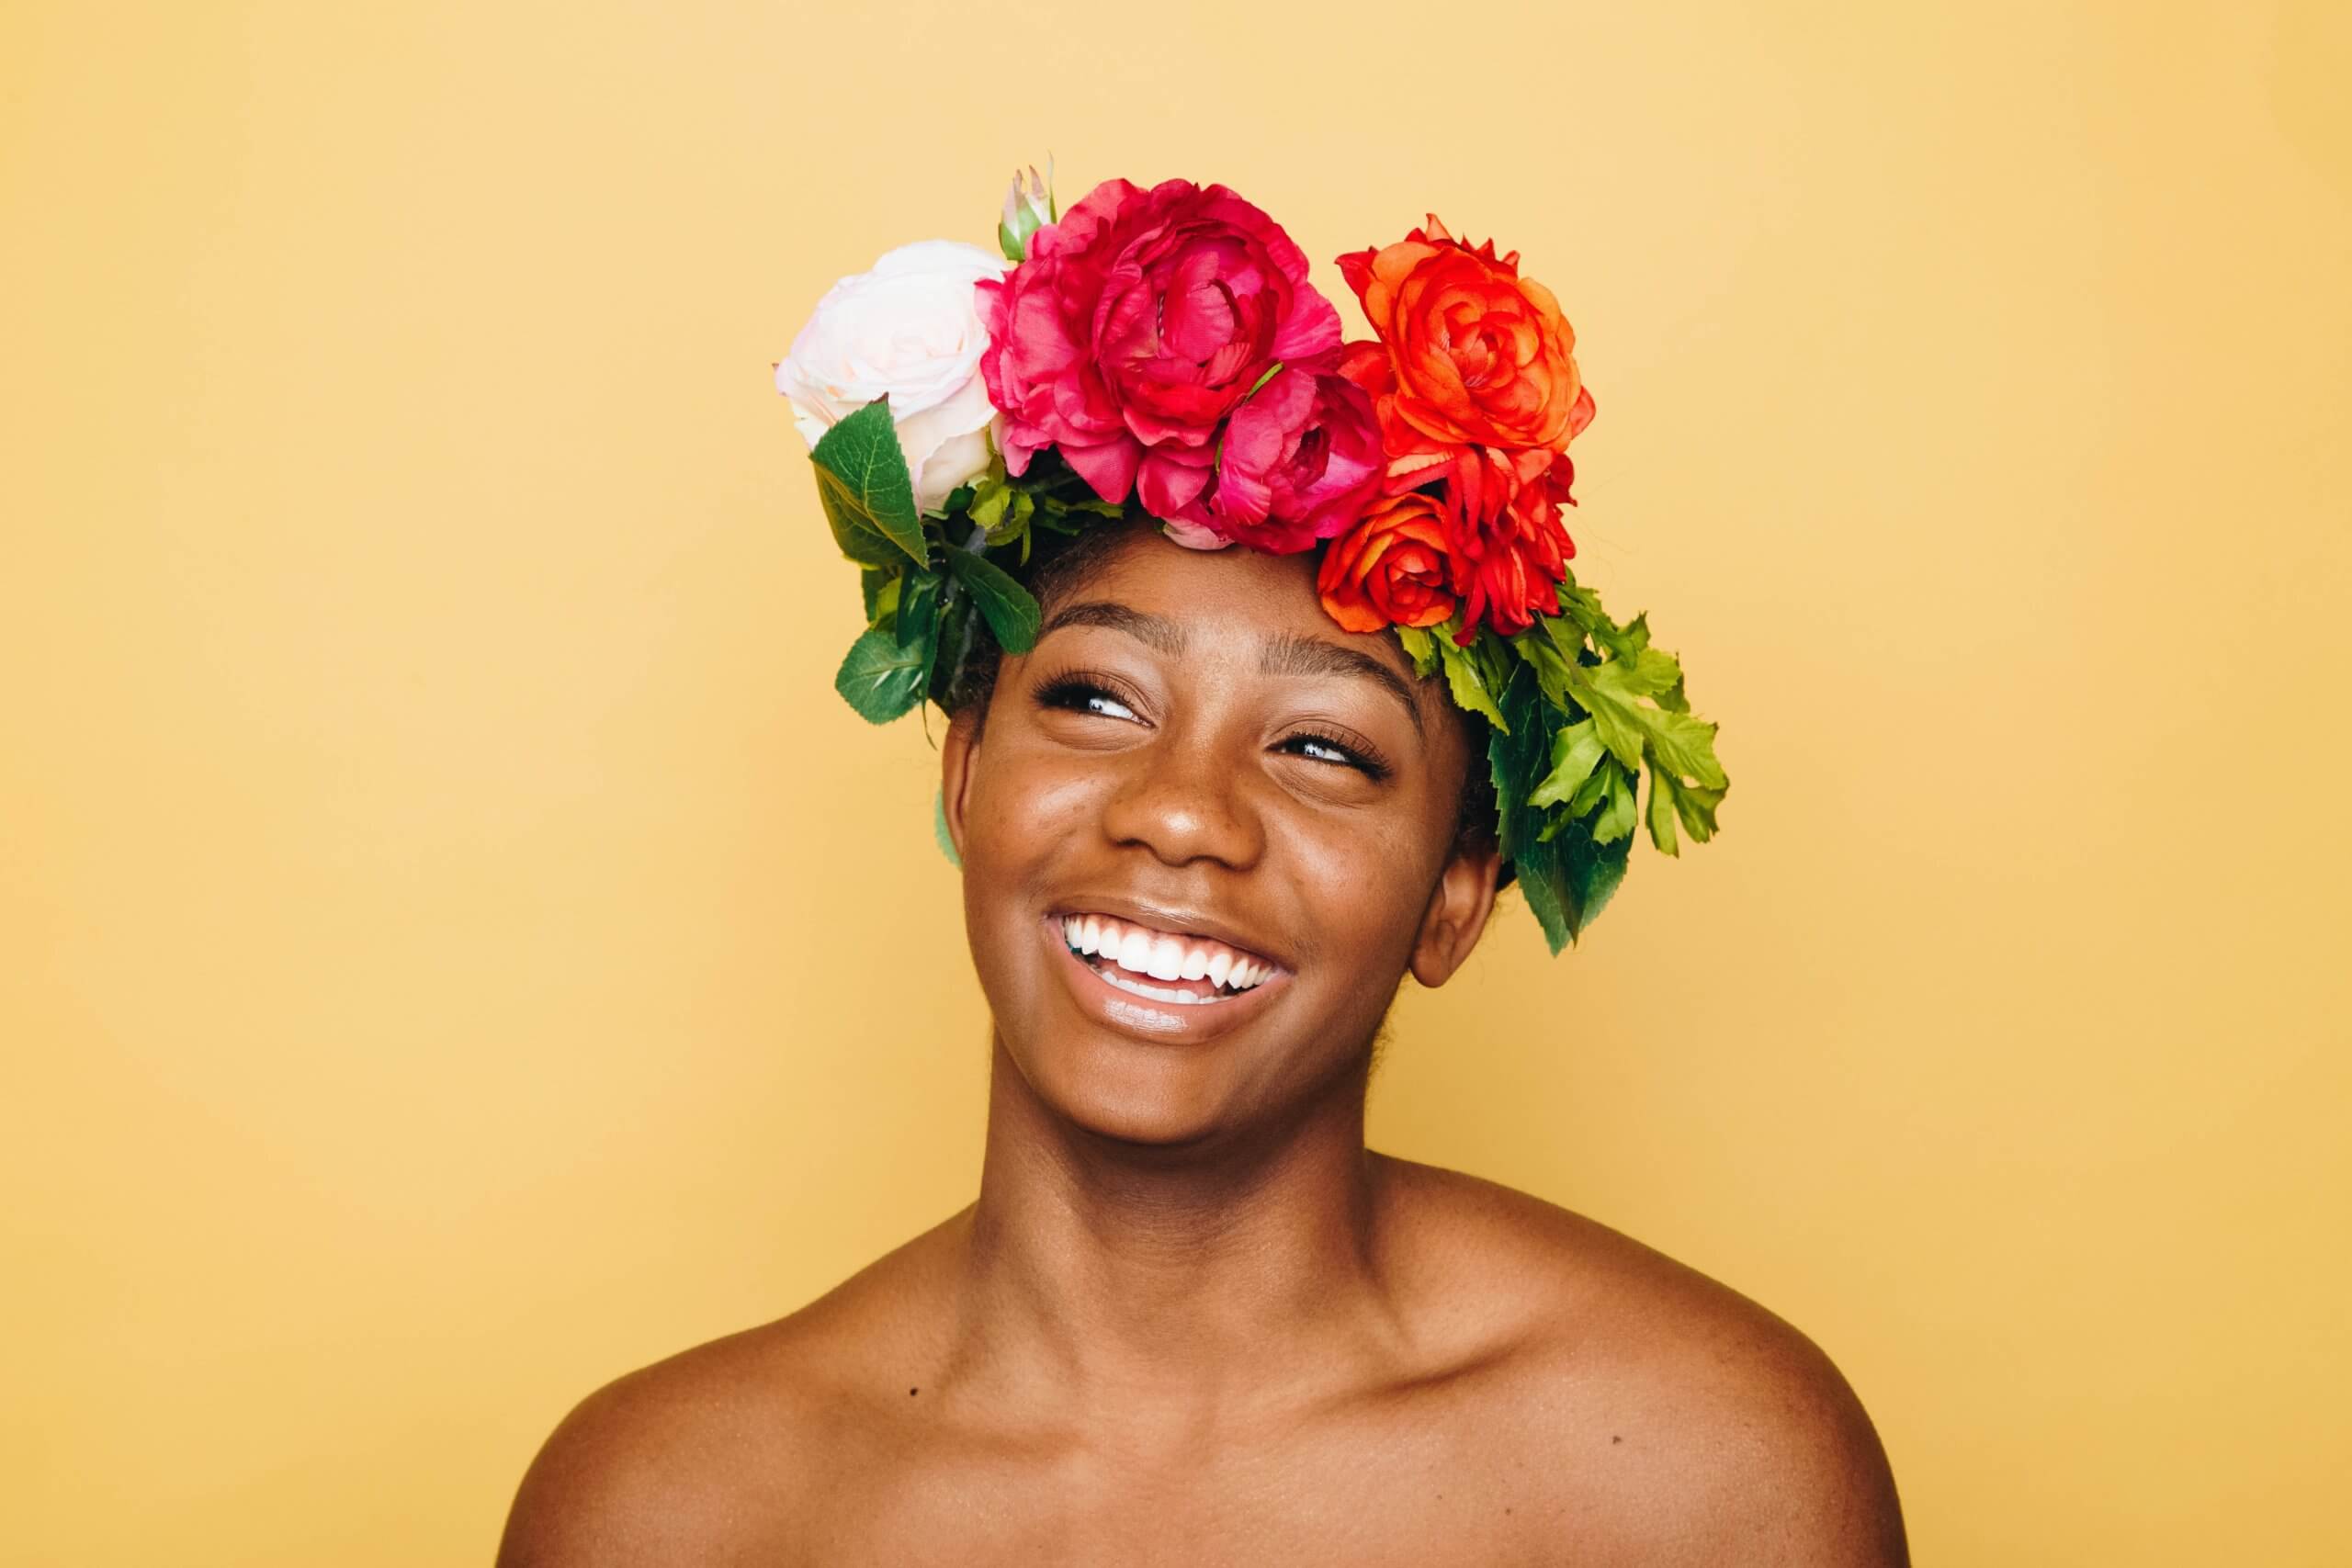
455 947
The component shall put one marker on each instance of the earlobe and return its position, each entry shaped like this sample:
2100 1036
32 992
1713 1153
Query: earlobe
1456 916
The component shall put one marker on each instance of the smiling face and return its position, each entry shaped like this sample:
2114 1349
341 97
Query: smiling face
1204 834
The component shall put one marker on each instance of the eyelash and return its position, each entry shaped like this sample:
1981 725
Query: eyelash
1076 693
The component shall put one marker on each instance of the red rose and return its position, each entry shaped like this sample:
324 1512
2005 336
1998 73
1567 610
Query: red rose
1137 324
1510 549
1391 569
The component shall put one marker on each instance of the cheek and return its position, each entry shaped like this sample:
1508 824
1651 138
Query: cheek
1022 807
1361 883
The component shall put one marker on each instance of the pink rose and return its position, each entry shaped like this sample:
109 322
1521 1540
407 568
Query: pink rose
1136 324
1299 461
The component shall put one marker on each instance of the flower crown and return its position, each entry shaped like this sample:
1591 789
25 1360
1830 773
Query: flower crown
1161 353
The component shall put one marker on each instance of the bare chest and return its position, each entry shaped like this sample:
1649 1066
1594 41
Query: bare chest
1402 1492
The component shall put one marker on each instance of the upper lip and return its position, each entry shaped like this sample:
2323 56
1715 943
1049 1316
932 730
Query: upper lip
1168 917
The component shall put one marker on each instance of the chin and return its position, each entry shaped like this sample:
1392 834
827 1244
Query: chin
1115 1089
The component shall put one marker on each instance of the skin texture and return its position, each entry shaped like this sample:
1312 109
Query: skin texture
1190 1318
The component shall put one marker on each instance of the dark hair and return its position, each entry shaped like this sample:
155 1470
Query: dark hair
1061 563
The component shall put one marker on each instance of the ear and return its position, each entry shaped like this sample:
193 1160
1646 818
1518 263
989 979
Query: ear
1456 916
957 753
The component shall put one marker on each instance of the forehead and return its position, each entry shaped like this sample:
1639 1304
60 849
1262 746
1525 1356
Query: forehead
1236 596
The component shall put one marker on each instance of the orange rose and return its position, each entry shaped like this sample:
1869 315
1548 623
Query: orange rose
1391 569
1481 355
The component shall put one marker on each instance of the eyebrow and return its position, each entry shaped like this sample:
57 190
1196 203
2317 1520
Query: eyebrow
1287 653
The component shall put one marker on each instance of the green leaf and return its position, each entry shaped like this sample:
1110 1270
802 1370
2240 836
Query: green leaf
1575 751
1594 869
990 498
1517 757
861 478
954 642
1012 614
880 588
1419 648
1613 716
1616 820
1684 746
1695 804
1542 651
939 829
1542 872
880 678
1470 687
1566 879
1589 793
918 616
1661 813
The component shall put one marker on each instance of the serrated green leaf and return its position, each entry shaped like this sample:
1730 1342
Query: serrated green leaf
1616 818
1575 751
1613 716
1594 869
1464 678
1419 649
880 678
1541 649
1520 758
1644 674
1661 813
1589 793
1541 875
1684 745
1695 804
1011 611
862 476
1568 878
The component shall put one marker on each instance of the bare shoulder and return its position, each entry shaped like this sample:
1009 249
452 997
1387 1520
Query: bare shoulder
1697 1423
718 1454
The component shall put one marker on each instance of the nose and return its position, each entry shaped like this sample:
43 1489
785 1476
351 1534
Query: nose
1184 799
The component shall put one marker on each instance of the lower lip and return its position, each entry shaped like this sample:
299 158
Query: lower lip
1167 1023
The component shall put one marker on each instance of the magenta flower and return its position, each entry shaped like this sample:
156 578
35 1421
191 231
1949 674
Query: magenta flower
1300 461
1137 324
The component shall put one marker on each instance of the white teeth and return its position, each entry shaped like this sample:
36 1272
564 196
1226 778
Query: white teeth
1158 993
1164 956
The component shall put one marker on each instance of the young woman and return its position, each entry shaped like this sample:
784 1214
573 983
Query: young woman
1205 831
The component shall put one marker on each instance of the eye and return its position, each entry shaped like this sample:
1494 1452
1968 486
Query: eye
1326 748
1079 695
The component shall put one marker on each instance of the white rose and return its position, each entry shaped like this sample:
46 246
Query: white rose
909 329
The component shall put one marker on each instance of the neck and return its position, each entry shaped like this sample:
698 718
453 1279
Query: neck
1208 1274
